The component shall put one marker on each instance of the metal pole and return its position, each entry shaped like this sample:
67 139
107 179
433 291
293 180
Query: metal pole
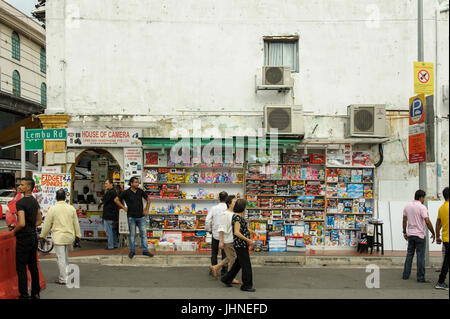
22 151
422 166
39 161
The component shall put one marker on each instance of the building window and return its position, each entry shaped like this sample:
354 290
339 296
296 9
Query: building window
281 51
43 94
16 83
43 61
15 40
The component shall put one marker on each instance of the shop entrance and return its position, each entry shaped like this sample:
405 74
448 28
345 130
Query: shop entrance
91 169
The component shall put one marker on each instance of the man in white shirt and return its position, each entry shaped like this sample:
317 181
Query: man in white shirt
212 225
226 239
62 219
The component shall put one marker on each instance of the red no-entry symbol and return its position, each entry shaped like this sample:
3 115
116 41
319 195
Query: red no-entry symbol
423 76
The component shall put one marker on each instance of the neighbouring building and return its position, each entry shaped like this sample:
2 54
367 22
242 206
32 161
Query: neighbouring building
23 88
154 70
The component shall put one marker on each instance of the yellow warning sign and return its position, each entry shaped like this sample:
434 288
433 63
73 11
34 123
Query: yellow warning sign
424 78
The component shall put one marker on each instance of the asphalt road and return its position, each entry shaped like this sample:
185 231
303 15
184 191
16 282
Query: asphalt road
107 282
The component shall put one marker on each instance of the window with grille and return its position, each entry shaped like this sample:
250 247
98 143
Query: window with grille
43 94
43 61
16 83
15 40
281 51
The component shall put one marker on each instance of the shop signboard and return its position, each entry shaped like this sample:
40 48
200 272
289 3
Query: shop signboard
132 164
103 137
52 169
416 140
47 184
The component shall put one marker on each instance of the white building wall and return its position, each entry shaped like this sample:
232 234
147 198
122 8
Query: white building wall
162 64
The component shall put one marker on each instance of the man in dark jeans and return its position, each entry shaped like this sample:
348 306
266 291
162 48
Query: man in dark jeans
29 216
110 215
133 197
415 216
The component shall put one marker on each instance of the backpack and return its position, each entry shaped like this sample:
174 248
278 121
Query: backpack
11 213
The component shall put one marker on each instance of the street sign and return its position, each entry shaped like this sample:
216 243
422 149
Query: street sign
423 78
417 128
34 139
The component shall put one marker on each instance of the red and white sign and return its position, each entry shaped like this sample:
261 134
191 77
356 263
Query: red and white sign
416 140
423 76
103 137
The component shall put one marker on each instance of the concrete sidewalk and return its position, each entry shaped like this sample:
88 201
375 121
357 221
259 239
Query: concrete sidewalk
257 261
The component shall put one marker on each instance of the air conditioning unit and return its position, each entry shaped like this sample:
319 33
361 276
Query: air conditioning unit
276 75
286 119
366 120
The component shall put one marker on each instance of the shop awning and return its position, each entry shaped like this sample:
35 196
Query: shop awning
8 165
11 135
161 143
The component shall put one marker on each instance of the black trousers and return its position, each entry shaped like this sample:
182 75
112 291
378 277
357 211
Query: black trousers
215 252
242 261
444 269
26 255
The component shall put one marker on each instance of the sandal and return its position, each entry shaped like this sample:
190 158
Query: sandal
59 282
214 271
237 282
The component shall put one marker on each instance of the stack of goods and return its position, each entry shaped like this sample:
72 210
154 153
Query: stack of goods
282 188
361 159
152 190
264 202
292 203
186 221
254 172
367 176
253 214
298 188
267 188
314 189
313 234
278 202
312 214
162 175
150 176
277 214
277 244
260 231
340 238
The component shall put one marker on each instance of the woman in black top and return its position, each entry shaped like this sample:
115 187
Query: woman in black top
241 242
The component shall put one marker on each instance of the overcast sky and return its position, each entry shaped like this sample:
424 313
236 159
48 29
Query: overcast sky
26 6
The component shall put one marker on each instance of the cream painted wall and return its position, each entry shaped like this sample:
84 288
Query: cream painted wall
28 67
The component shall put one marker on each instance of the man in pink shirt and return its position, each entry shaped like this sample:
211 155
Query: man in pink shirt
415 216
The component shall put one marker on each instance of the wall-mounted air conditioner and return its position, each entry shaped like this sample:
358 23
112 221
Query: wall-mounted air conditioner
286 119
366 120
276 75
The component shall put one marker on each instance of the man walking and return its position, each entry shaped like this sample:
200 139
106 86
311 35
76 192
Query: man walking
62 220
415 216
133 197
110 215
212 224
29 217
442 220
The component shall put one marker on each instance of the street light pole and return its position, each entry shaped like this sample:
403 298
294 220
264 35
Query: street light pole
423 165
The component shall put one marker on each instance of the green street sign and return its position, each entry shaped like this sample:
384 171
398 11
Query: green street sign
34 139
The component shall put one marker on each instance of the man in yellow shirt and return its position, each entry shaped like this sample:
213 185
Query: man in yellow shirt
63 221
442 220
